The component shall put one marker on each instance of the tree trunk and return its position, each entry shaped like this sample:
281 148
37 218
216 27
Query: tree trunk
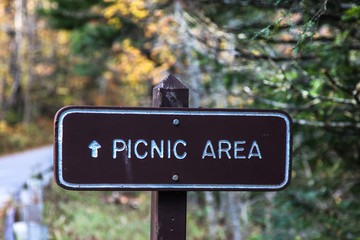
2 98
16 56
235 223
211 215
31 22
269 197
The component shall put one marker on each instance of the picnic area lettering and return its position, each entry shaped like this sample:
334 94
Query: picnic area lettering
142 149
150 150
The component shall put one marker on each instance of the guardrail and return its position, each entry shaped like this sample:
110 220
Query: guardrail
23 177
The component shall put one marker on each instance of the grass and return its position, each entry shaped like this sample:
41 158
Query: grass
2 222
78 215
97 215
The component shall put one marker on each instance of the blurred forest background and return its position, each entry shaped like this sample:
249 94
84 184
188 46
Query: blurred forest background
300 56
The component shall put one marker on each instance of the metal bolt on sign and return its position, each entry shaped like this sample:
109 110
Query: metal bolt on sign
175 177
176 122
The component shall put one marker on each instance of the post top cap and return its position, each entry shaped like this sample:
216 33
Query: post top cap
171 82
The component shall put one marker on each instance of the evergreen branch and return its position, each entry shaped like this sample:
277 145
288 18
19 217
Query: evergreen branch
258 26
321 11
306 94
334 100
336 84
255 3
248 55
327 124
295 41
289 106
240 53
276 104
293 107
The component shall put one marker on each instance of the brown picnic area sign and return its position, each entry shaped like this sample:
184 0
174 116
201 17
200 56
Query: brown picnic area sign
171 149
183 149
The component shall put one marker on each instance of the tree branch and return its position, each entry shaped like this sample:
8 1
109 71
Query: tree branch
248 55
295 41
307 106
336 84
327 124
276 104
255 3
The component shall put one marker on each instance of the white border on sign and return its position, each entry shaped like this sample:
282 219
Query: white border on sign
172 186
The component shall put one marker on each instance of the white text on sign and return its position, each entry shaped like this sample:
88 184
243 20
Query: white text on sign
225 149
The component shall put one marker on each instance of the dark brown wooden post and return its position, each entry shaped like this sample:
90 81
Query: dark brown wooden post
168 208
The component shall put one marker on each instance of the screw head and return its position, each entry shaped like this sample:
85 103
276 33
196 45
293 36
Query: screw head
176 122
175 178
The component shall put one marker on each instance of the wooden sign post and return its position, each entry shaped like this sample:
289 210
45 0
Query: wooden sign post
171 149
168 208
